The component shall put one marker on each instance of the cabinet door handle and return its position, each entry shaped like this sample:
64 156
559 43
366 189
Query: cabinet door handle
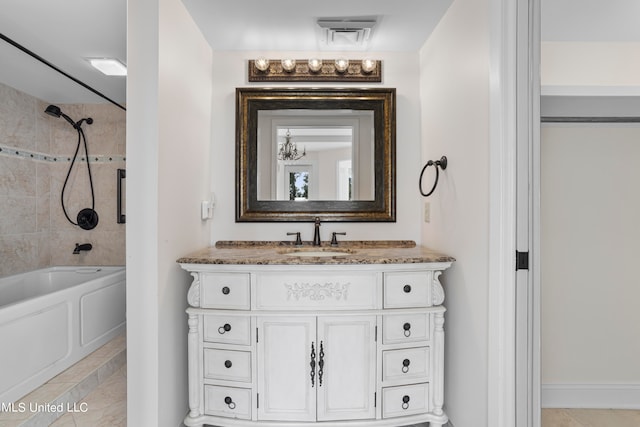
405 365
321 365
405 402
407 289
223 329
230 403
226 290
407 329
313 364
228 364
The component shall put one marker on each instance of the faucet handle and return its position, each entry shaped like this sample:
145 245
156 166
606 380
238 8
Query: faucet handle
334 239
298 239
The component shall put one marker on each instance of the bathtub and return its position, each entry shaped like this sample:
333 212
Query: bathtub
52 318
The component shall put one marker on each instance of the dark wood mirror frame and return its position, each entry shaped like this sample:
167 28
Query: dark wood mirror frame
379 100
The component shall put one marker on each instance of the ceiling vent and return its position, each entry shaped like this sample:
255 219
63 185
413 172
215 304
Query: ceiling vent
345 33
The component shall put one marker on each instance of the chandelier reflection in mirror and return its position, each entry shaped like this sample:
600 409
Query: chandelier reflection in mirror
288 149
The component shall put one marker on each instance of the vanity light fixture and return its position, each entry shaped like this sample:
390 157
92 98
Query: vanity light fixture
108 66
315 69
288 150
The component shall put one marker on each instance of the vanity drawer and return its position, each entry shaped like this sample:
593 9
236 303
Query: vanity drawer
225 291
228 365
407 289
227 401
317 290
227 329
405 400
405 364
405 328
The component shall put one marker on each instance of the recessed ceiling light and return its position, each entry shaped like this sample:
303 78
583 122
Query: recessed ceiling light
109 66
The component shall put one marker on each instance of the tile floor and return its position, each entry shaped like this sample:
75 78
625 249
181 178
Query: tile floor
590 418
95 382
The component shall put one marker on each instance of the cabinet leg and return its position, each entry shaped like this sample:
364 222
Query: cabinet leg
193 371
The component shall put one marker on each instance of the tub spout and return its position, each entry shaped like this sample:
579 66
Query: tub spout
82 247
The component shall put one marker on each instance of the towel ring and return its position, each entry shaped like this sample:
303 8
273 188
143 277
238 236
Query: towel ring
442 163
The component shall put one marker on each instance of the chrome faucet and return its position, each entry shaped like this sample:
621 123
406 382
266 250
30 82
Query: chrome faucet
82 247
316 233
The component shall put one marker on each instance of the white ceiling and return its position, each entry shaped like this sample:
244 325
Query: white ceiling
64 33
290 25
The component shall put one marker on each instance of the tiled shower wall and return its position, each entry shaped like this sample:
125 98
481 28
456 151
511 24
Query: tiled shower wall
35 157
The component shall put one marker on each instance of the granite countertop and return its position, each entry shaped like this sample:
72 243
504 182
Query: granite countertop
287 253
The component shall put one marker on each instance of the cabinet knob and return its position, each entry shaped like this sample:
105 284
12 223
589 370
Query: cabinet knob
228 364
405 402
230 403
407 289
407 329
226 290
405 365
223 329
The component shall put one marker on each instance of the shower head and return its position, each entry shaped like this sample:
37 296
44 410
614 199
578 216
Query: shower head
54 110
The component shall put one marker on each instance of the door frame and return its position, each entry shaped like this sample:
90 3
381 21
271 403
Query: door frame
514 112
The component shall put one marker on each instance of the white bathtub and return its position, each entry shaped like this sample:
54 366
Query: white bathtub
52 318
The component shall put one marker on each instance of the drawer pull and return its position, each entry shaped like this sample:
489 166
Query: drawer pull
226 290
228 364
313 364
405 402
230 403
407 329
223 329
405 365
407 289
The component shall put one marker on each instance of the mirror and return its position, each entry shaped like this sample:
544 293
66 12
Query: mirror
302 153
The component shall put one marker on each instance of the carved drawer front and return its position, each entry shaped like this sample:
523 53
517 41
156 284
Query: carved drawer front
227 401
405 328
227 365
407 289
405 400
227 329
316 290
406 364
225 290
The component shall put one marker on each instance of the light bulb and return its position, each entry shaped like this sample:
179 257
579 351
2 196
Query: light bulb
289 64
342 65
368 65
315 64
262 64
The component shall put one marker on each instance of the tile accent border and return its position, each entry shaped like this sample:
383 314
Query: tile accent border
34 155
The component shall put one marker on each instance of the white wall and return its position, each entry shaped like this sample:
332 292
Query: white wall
590 207
400 71
454 89
581 68
168 123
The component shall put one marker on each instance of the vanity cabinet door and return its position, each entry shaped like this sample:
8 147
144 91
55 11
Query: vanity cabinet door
286 391
346 379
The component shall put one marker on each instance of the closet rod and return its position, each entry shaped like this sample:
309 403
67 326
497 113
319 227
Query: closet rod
602 119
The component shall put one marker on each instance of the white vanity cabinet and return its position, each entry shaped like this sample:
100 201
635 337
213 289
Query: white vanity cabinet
344 345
